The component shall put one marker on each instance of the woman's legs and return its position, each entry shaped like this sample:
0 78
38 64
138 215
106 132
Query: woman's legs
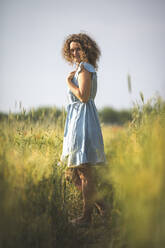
85 180
88 188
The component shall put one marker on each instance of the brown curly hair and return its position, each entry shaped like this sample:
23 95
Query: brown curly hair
90 50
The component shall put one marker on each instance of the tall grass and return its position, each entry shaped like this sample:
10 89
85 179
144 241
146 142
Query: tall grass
136 170
36 201
33 206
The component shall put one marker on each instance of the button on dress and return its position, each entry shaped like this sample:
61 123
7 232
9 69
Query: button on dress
83 141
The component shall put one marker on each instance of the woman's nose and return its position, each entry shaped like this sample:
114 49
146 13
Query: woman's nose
75 52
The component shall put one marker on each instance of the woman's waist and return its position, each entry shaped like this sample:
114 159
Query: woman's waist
78 102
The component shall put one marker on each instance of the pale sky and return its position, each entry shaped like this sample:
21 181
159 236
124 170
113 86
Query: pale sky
130 34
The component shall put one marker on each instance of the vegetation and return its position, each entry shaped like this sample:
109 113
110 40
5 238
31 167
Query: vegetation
111 116
107 115
36 201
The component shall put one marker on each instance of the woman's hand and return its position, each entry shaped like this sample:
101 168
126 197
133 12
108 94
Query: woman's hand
82 91
70 76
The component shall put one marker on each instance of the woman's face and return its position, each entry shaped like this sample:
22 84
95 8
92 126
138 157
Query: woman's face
75 50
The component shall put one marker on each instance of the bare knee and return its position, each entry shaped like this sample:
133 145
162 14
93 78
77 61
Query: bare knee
85 173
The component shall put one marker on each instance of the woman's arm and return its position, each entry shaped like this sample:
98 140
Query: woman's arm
84 81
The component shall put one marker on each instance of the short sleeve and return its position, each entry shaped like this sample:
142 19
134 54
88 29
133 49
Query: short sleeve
87 66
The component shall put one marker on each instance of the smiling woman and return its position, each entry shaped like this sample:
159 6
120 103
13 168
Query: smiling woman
83 142
88 49
75 51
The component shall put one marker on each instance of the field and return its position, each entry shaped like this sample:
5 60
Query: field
36 201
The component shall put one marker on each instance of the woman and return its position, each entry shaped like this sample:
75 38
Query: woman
83 145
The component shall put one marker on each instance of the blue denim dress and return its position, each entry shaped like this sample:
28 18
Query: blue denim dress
83 141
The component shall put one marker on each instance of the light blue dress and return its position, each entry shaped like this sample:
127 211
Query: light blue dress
83 141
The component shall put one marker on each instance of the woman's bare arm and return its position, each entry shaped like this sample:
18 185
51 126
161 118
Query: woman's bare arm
84 81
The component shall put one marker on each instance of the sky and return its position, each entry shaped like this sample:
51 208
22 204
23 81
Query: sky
130 34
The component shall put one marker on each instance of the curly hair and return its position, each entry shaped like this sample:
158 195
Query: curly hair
90 50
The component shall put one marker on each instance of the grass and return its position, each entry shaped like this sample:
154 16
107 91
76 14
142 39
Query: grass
36 200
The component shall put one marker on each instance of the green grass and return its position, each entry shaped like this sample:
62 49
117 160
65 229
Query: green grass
36 201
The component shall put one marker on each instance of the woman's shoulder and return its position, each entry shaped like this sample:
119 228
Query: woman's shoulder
89 67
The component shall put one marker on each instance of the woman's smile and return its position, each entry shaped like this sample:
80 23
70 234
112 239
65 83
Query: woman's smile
75 50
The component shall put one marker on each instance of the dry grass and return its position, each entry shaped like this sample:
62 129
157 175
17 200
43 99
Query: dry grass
36 201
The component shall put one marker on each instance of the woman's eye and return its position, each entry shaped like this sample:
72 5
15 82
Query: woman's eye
77 49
